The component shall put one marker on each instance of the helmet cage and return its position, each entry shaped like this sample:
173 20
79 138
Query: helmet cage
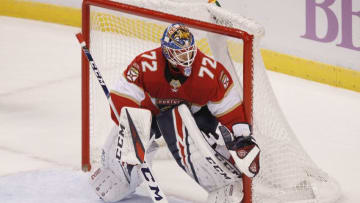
182 57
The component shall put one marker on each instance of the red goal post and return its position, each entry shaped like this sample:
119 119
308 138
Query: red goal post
287 171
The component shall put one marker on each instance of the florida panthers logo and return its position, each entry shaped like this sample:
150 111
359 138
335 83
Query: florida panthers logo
133 73
175 85
224 79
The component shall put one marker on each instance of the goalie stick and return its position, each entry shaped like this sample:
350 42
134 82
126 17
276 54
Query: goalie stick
156 193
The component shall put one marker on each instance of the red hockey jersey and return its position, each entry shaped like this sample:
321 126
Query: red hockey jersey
147 83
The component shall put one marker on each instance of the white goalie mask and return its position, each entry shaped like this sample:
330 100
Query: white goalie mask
178 46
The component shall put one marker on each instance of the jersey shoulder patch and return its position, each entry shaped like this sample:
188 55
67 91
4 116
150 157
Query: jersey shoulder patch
132 72
224 79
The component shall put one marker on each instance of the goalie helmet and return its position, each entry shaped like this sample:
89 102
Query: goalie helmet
178 47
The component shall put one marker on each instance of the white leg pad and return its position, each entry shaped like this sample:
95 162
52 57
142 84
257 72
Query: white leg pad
108 186
231 193
109 181
135 123
191 150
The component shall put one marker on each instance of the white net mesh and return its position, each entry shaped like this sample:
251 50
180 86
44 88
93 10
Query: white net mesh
287 173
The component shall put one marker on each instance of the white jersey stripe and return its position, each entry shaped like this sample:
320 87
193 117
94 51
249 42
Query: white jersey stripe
230 101
125 96
129 90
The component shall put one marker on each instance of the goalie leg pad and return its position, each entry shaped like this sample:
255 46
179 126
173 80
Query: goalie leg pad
114 180
135 131
109 186
227 194
192 152
216 134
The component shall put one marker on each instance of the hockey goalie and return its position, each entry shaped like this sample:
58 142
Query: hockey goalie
177 92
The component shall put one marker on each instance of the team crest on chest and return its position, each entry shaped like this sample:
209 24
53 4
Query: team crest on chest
133 73
175 85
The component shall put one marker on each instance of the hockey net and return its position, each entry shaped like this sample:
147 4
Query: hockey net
117 32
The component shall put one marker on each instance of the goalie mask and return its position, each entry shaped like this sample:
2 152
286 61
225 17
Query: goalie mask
178 46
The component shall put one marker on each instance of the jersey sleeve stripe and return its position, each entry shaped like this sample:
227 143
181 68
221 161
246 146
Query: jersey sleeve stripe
230 101
125 96
228 111
129 90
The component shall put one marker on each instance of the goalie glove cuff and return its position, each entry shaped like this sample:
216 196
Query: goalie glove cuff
241 129
241 142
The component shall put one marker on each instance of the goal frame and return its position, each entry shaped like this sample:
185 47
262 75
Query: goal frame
165 17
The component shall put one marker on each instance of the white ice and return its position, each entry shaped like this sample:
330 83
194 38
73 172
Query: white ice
40 122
